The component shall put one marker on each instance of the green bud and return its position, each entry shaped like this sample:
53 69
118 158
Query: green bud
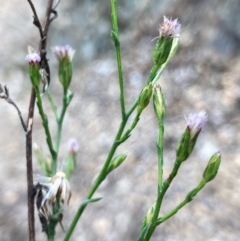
34 60
116 162
45 163
212 167
149 216
70 164
65 55
144 98
65 73
168 30
159 103
182 150
162 50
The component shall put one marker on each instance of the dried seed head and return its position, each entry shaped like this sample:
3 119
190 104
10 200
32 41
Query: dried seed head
4 91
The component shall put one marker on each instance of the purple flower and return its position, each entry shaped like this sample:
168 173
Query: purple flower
63 52
73 146
195 122
169 28
33 58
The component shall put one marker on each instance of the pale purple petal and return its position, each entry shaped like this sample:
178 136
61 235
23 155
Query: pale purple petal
196 121
73 145
33 58
170 28
62 52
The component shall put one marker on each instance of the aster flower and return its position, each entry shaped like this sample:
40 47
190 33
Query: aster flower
195 122
73 146
64 55
33 58
63 52
169 28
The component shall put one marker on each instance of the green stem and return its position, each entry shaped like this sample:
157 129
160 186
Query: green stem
53 106
103 173
101 176
133 125
54 221
118 54
160 153
188 199
66 101
153 73
161 194
45 124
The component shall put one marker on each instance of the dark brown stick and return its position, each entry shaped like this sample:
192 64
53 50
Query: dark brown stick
19 113
31 224
42 47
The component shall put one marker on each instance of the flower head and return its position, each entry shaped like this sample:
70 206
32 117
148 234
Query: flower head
195 122
63 52
169 28
64 55
33 58
59 188
73 146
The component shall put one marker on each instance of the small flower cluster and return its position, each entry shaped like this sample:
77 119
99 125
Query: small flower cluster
33 58
63 52
169 28
52 192
196 121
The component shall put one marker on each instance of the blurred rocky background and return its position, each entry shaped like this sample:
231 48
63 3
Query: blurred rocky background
204 74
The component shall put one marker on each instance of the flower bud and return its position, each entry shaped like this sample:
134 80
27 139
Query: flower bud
159 103
212 167
144 98
73 146
182 148
45 163
116 162
168 30
34 60
195 123
64 55
149 216
71 160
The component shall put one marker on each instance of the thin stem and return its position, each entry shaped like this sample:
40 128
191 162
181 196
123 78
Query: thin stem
67 97
118 54
45 125
36 19
101 176
160 153
117 141
42 46
31 223
53 106
19 113
183 203
161 194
